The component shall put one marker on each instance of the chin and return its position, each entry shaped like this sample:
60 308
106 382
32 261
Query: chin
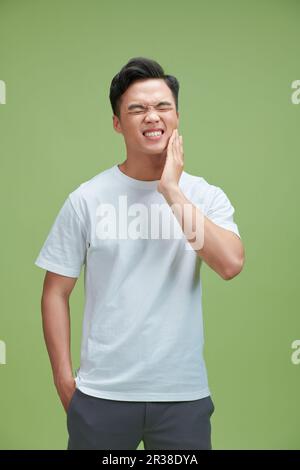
158 148
155 148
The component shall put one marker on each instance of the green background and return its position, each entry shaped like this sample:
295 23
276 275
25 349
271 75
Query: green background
235 61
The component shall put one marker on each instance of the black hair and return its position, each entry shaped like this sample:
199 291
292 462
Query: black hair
138 68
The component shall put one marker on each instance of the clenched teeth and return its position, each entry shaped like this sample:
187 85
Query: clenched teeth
153 133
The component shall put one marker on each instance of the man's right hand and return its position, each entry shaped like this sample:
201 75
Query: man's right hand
65 389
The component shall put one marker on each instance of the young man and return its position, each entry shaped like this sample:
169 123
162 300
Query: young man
142 375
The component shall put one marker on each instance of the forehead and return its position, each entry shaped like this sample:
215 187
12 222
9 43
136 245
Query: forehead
147 91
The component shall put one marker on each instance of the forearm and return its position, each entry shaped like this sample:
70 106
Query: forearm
219 248
56 327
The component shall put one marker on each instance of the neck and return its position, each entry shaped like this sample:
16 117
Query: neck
144 167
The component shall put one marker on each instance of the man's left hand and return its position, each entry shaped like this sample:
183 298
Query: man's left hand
173 165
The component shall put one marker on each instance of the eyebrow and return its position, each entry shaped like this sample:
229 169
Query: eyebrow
134 105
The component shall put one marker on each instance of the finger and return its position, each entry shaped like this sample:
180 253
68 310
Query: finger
181 148
171 144
175 141
181 142
177 149
171 139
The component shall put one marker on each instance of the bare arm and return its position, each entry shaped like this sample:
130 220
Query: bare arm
56 327
222 250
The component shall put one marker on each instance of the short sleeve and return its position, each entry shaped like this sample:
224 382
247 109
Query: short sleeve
221 211
64 250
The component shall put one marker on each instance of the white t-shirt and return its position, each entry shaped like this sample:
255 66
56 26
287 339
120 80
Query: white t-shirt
142 336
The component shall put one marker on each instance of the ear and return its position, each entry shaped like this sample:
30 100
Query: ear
116 124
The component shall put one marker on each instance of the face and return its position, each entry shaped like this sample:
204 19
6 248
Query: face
136 117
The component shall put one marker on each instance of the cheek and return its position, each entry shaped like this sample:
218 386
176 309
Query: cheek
133 135
130 131
134 129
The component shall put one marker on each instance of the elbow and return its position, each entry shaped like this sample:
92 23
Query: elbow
233 270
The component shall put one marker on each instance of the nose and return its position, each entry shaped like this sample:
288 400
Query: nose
152 116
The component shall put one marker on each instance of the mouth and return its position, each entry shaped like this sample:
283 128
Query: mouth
153 135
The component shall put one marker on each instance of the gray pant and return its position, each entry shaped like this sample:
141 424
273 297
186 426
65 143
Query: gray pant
99 423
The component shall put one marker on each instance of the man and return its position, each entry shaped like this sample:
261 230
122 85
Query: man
142 375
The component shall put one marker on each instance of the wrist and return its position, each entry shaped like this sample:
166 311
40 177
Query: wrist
172 194
63 379
170 190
